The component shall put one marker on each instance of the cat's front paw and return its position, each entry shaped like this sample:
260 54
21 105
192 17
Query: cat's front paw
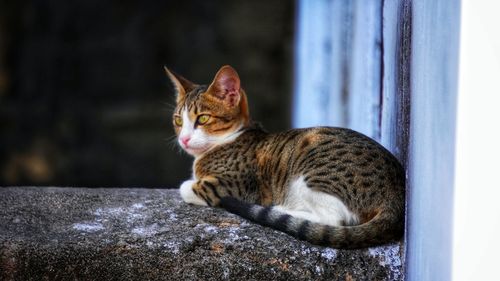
188 195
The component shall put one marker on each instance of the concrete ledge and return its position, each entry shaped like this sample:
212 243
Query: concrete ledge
150 234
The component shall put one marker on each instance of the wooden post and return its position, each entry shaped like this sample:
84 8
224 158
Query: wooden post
434 68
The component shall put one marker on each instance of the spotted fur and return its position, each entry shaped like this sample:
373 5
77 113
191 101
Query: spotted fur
329 186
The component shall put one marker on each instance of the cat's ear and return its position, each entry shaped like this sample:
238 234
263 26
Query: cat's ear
181 84
226 86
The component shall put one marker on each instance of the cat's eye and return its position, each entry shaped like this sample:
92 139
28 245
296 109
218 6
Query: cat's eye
178 120
202 119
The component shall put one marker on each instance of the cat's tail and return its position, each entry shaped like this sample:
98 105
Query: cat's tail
381 229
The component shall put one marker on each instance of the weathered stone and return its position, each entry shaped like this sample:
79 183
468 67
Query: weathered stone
150 234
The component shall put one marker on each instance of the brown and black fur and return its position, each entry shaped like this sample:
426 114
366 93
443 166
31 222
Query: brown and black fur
251 174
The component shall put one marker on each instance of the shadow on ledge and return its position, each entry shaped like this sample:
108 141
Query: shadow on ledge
150 234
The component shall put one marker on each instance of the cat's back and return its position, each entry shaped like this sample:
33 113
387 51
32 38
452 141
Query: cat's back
344 152
335 160
336 144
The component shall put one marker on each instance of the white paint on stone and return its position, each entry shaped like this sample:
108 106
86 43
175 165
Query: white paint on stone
329 254
388 256
211 229
319 270
146 231
88 227
138 206
133 215
173 246
172 216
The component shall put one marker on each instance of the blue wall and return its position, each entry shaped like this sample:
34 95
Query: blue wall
389 70
338 66
434 68
352 68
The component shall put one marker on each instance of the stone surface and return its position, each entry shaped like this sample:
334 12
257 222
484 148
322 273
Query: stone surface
150 234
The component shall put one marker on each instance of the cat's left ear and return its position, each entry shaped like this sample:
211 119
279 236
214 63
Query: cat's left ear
181 84
226 86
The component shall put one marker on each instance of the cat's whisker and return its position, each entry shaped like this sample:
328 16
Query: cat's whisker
170 107
172 142
170 138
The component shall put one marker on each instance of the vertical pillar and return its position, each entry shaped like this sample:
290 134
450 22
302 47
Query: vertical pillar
434 68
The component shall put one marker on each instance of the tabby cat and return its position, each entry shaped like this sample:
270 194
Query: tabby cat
329 186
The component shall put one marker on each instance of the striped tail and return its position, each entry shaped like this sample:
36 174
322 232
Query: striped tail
379 230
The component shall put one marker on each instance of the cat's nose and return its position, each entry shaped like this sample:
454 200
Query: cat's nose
185 140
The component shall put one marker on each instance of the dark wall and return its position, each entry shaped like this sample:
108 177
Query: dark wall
83 96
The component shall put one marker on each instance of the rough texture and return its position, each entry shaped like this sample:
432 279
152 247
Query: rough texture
150 234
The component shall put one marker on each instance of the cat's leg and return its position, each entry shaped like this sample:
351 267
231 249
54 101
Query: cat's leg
188 194
205 191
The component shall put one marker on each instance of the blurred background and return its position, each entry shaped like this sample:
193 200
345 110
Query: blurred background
83 96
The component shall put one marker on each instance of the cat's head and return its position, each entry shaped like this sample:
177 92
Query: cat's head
207 116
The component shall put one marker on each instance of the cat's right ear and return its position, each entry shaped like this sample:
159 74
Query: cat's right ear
181 84
226 86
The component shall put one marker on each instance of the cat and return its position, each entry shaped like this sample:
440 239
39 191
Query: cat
328 186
